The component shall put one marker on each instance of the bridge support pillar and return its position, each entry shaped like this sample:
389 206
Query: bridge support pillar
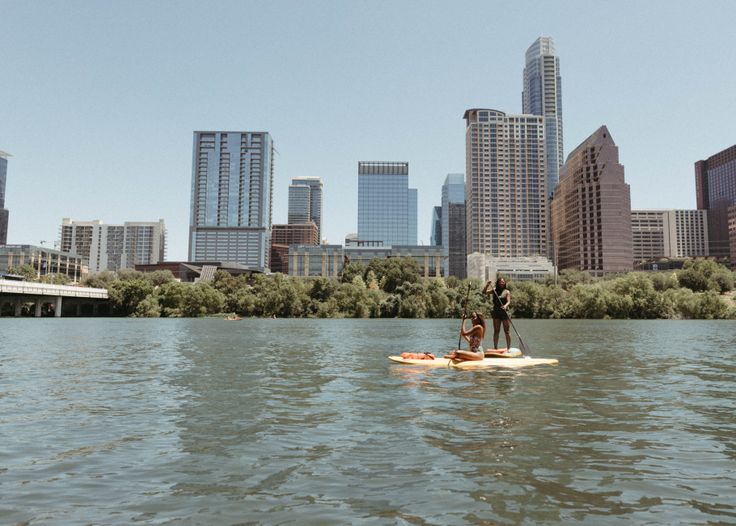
57 307
18 308
39 304
79 310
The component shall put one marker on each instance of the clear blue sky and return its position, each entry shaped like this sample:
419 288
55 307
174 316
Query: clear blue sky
98 100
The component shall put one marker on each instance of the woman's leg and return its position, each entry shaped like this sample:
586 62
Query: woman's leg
506 327
468 355
496 330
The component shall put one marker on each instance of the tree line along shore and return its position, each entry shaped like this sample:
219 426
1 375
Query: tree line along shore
391 288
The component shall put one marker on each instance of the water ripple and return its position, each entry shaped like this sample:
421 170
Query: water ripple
306 422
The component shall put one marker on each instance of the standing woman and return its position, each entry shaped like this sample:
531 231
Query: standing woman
474 337
501 300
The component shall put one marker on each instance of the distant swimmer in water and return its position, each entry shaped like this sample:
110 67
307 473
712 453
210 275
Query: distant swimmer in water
474 337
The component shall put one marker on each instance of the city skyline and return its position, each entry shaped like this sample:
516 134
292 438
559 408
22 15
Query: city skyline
407 90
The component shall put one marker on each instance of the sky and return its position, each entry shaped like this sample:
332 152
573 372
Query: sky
99 100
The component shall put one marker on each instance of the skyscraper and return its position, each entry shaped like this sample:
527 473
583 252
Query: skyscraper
669 234
114 247
542 95
4 214
232 181
436 235
506 186
387 207
591 210
453 233
305 202
715 188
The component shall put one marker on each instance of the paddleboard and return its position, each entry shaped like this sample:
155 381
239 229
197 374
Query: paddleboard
503 353
506 363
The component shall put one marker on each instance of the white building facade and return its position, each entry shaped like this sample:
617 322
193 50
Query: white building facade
114 247
669 234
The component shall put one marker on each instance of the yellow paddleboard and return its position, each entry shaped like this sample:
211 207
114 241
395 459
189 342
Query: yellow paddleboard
506 363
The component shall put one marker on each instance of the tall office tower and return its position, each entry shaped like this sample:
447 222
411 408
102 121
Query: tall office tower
4 214
669 234
387 207
457 261
114 247
542 95
232 182
506 186
453 234
715 188
307 199
298 204
591 210
436 235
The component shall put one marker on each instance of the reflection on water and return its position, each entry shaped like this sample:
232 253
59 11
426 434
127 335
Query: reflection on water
306 422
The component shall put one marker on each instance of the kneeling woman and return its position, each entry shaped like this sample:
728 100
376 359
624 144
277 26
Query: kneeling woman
474 337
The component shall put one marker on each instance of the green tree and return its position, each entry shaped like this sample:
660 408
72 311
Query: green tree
705 274
127 274
159 277
394 272
27 271
149 307
126 295
201 299
100 280
170 298
351 270
56 279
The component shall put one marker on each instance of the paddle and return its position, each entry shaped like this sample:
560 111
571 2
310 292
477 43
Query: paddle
524 349
465 313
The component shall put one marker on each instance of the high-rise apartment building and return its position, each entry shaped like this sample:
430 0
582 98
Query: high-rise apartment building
387 207
4 214
305 202
453 225
231 209
669 234
114 247
715 187
542 95
591 210
506 184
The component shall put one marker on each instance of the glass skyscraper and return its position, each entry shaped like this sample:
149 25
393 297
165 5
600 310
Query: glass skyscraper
387 207
232 181
542 95
453 225
715 188
305 202
3 212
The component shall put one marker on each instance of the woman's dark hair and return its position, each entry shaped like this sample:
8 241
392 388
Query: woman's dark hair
481 320
498 284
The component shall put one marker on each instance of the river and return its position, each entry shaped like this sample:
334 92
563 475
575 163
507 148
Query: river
207 421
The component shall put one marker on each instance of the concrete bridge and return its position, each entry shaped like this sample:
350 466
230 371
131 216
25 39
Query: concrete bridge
78 301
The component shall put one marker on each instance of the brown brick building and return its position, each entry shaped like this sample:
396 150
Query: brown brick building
591 210
282 236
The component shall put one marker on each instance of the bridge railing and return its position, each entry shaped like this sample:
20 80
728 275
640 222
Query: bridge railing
45 289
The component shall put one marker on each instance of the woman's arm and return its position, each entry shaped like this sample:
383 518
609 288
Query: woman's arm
489 284
508 299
